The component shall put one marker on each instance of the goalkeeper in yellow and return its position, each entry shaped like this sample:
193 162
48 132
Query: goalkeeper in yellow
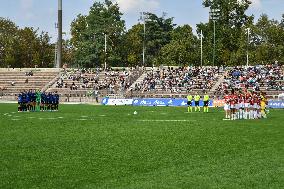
263 104
206 103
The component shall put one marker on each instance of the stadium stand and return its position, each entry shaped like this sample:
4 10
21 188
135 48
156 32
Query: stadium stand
267 78
176 81
84 85
13 81
80 83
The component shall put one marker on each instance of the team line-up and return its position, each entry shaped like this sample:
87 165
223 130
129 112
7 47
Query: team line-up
237 104
32 101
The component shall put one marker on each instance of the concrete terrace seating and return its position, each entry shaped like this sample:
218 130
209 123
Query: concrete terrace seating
268 78
14 81
179 81
174 82
82 82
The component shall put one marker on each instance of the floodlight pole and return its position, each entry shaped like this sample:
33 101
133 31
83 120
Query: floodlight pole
214 15
201 46
55 46
144 37
143 19
59 43
248 31
105 51
214 50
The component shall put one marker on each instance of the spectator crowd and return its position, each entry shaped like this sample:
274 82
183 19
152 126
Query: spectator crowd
110 80
175 80
256 78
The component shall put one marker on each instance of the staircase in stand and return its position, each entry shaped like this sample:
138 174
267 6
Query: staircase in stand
221 80
139 80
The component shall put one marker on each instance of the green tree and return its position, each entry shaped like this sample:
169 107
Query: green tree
158 34
24 47
88 35
230 31
8 31
182 50
267 41
133 45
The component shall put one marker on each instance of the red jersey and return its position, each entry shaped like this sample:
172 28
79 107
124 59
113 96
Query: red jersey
253 99
227 99
241 98
257 99
234 99
247 98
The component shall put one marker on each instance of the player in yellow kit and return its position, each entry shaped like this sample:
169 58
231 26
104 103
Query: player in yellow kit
189 103
196 101
263 103
206 103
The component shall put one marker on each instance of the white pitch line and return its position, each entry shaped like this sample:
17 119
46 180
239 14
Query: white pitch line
15 119
227 120
84 116
82 119
60 117
166 120
102 115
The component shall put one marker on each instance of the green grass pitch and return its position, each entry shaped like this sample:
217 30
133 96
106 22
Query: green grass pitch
84 146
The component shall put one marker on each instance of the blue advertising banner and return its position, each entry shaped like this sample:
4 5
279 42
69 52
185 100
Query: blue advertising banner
151 102
276 104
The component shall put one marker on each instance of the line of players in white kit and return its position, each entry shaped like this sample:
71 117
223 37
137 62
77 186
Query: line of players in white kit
245 105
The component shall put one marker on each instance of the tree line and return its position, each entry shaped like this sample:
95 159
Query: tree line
101 37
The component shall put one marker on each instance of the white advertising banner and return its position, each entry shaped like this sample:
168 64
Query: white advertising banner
119 102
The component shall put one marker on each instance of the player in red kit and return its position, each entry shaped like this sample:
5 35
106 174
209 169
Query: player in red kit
227 105
247 105
241 99
251 110
233 104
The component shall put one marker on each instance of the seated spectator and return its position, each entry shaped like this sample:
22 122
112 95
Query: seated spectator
30 73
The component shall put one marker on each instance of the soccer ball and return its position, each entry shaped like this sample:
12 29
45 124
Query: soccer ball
135 113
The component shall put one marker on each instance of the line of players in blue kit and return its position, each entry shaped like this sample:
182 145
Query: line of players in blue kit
32 101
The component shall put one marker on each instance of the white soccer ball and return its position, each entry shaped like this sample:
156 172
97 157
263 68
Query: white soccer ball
135 113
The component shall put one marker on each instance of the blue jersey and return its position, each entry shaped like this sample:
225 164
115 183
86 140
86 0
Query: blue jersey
43 98
28 97
33 97
51 99
24 98
20 98
48 99
56 98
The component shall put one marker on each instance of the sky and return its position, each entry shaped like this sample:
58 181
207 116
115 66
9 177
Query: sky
42 14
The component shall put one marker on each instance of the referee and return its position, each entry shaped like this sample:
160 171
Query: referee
196 101
189 103
206 103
